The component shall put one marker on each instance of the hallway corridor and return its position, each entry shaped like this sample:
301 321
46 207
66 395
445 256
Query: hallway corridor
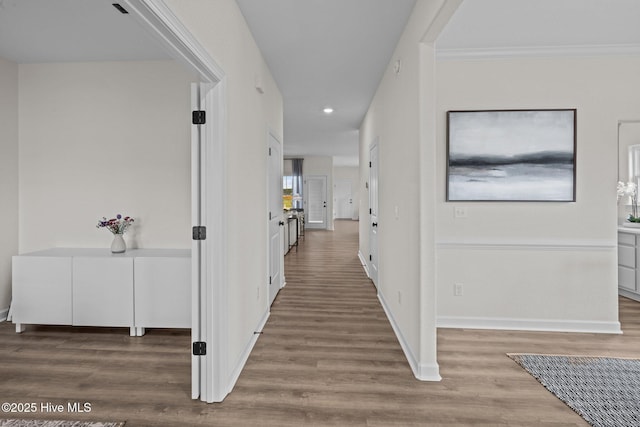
327 357
328 354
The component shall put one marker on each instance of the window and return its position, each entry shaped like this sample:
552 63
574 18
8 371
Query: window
292 184
287 192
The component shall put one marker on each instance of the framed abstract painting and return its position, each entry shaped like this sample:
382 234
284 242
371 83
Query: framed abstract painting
511 155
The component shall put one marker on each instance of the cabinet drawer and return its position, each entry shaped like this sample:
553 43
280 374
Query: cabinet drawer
627 256
42 290
162 292
626 239
103 291
627 278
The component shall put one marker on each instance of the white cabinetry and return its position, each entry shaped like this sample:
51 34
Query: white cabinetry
102 291
161 295
44 295
142 288
628 253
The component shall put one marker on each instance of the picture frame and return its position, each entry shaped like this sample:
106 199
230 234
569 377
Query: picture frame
511 155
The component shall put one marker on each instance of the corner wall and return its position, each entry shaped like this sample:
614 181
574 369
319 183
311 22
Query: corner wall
8 177
399 121
547 266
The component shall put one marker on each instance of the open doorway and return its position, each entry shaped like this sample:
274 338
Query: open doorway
210 376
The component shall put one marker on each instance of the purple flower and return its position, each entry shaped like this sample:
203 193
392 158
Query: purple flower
116 225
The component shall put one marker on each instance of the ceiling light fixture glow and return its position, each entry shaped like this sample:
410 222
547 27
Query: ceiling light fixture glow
328 110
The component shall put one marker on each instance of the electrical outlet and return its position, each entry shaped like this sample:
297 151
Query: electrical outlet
458 289
459 212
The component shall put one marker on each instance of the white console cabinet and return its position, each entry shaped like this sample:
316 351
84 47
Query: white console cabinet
629 263
142 288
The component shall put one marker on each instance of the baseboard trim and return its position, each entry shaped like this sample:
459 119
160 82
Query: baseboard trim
537 325
3 314
422 371
364 264
235 374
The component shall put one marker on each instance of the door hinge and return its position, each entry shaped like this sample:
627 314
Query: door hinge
270 279
269 150
370 211
199 348
369 164
198 117
370 257
199 232
269 216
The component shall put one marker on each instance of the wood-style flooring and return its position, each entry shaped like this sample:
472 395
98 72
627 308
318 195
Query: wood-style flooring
328 356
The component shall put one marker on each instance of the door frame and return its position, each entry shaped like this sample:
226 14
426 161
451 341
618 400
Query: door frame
374 272
307 193
209 274
337 182
272 134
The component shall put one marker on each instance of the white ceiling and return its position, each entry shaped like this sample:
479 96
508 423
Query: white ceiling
327 52
522 27
34 31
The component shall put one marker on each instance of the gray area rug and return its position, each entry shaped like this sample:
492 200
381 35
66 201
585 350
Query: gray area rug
604 391
54 423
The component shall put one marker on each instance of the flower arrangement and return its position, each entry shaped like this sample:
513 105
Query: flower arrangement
630 189
117 225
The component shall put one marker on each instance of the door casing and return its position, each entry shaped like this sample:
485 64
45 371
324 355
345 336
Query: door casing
343 199
276 217
315 200
373 216
210 375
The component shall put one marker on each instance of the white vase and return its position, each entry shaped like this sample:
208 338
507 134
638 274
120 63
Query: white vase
118 245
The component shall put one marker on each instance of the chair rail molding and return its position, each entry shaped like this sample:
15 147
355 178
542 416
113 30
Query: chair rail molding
460 243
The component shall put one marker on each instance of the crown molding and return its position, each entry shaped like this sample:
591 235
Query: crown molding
537 52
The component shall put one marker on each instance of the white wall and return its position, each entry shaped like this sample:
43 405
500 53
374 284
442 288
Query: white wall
323 166
221 29
351 174
398 118
102 138
8 177
537 265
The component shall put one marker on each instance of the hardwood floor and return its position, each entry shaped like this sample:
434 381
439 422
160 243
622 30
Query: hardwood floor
328 356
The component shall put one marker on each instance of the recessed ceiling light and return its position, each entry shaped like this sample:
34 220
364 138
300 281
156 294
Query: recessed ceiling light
328 110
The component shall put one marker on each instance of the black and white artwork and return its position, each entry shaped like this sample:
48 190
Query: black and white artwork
511 155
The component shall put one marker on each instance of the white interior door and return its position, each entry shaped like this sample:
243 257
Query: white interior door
209 321
342 199
198 273
276 218
373 209
316 202
212 375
